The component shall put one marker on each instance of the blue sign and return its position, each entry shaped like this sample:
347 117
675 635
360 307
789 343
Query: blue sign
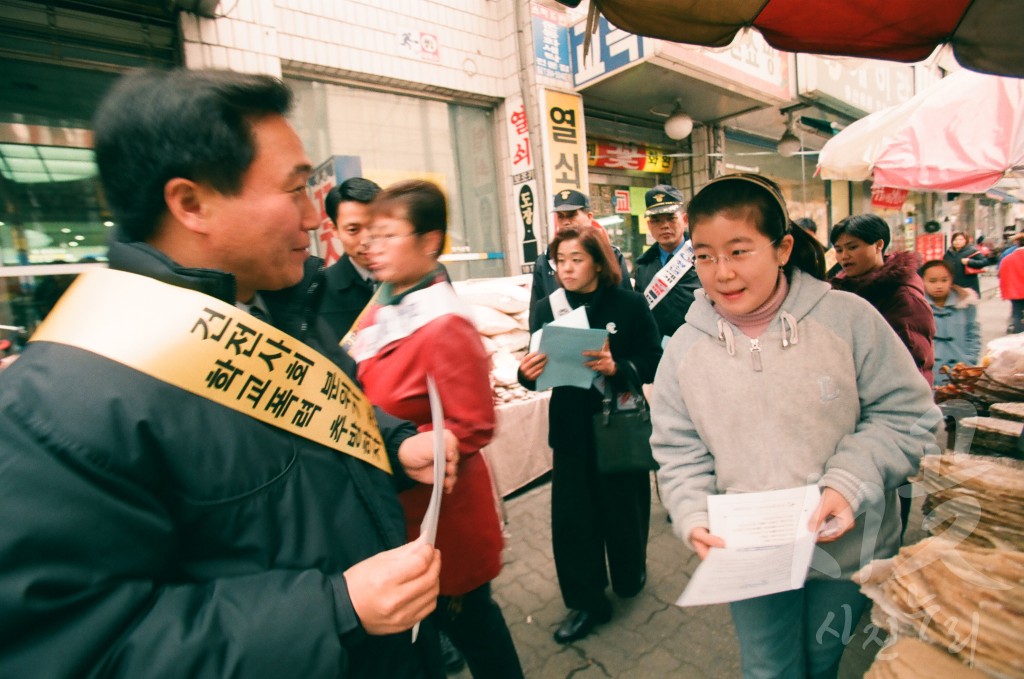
611 49
551 49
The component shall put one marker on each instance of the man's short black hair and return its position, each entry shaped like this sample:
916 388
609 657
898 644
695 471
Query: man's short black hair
355 189
154 126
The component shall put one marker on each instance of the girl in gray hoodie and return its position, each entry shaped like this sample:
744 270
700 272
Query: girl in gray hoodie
776 381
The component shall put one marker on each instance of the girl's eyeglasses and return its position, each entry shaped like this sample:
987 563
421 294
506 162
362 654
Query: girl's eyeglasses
736 257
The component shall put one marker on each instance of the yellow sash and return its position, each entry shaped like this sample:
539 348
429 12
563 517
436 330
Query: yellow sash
215 350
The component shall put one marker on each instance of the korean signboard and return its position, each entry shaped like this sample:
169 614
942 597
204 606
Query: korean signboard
551 43
628 157
888 197
749 62
612 48
864 85
524 183
565 150
931 246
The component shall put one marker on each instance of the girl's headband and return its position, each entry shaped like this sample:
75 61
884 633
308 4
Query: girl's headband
761 182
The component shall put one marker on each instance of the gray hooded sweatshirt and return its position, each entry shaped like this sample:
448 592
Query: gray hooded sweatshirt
827 395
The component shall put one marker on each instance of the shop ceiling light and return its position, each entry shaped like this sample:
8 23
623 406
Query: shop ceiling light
679 125
789 145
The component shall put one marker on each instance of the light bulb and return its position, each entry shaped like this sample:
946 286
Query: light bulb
679 126
789 145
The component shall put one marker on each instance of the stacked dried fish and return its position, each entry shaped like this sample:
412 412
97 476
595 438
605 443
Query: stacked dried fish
914 659
1008 411
960 384
991 435
976 499
976 385
996 391
965 600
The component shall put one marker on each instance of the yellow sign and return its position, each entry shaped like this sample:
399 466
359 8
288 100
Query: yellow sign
565 148
215 350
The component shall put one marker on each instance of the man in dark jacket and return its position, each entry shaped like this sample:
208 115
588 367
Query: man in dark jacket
672 297
156 524
571 208
349 284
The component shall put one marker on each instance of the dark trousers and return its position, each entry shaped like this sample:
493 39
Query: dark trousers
1016 315
474 623
594 516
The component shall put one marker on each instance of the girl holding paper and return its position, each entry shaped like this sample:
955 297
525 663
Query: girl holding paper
594 515
777 381
416 327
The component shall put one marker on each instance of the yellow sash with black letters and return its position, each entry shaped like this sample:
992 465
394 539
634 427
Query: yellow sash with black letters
215 350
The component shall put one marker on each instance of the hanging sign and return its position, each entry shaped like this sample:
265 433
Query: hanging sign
628 157
565 150
622 203
524 184
931 246
888 197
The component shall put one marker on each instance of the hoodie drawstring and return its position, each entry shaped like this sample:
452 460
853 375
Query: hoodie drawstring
725 335
790 334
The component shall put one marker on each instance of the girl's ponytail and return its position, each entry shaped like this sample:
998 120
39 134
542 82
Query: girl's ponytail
808 253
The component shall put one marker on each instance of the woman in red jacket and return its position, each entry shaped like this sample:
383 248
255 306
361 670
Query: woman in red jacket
1011 283
416 328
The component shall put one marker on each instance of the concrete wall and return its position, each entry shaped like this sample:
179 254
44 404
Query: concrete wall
463 47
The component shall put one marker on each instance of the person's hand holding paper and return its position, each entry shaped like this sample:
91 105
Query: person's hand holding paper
601 361
758 544
833 517
564 348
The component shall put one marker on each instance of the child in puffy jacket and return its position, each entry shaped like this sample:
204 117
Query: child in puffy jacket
957 332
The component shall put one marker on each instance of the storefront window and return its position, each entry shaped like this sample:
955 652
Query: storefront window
399 137
53 221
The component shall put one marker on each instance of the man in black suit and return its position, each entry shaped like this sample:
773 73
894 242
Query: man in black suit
349 281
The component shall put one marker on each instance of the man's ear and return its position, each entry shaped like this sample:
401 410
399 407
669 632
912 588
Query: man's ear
188 203
434 242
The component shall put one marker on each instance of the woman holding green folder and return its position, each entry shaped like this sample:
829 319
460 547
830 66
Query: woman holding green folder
595 515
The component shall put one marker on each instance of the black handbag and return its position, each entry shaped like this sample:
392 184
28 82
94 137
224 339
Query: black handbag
622 438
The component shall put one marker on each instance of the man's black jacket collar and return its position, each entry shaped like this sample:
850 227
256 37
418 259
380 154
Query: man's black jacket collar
291 308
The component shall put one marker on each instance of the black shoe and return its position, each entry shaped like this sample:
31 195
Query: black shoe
578 625
636 589
452 658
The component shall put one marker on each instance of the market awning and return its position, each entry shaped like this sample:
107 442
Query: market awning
985 35
964 133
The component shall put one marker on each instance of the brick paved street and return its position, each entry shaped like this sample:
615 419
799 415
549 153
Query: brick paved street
648 638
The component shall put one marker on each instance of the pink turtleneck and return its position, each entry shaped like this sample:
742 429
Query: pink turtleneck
754 323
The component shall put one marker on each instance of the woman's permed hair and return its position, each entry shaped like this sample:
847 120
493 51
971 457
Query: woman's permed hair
595 245
417 200
868 228
759 200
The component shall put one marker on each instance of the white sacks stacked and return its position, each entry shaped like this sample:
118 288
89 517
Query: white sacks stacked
501 308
